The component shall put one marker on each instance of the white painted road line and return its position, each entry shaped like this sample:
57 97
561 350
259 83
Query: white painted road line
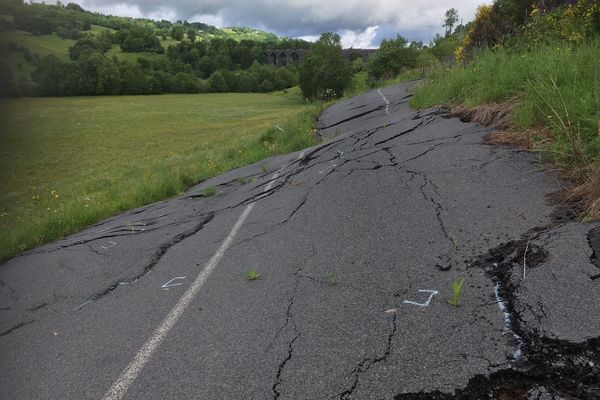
130 373
387 103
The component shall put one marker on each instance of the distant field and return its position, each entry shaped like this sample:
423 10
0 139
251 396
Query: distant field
42 45
132 57
68 162
96 29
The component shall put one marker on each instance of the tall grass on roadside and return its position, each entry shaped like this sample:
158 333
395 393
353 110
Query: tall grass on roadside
362 82
550 91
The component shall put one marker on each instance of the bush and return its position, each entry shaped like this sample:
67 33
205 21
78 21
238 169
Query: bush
216 82
324 69
392 56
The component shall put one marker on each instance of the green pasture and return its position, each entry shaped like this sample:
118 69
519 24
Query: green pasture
68 162
42 45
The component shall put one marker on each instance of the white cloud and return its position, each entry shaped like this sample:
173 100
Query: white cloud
309 38
214 20
360 40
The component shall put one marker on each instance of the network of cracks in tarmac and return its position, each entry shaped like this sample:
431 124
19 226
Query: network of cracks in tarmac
547 369
543 368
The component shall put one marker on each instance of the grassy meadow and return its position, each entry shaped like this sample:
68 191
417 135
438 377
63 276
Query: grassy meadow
42 45
68 162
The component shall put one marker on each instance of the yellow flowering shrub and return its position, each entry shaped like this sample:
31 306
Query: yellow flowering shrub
574 23
484 32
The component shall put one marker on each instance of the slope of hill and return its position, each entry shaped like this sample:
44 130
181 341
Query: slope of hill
30 32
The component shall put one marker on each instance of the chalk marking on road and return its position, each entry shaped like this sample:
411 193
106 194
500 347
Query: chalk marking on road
111 243
169 284
432 293
81 305
331 166
128 282
130 373
387 103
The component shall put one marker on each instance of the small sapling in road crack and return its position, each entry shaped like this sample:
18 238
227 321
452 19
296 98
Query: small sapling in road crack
331 279
252 275
457 292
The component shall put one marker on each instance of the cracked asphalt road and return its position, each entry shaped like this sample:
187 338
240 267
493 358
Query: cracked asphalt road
357 241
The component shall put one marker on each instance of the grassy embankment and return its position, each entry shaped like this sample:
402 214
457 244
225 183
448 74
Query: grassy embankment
547 99
69 162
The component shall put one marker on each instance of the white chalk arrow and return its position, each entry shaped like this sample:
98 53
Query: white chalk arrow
432 293
111 244
169 284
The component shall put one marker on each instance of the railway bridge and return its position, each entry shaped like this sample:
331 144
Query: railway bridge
283 57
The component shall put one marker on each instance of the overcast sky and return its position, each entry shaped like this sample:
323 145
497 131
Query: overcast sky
361 23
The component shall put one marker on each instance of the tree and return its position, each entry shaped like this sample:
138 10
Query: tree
450 20
177 32
324 72
57 78
191 34
7 83
109 78
392 56
217 83
83 48
134 79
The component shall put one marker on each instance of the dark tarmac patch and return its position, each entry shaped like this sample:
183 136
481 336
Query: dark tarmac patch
531 382
562 213
593 238
530 255
444 268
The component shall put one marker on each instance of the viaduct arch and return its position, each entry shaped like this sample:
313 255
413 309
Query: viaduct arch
283 57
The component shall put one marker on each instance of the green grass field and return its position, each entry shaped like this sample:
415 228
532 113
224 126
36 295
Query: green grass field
97 29
68 162
42 45
132 57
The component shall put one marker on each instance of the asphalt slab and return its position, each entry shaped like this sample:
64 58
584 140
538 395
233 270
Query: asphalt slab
358 242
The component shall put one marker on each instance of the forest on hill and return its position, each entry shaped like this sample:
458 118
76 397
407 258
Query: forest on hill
86 53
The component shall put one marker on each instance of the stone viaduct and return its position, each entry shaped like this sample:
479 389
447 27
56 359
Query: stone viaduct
283 57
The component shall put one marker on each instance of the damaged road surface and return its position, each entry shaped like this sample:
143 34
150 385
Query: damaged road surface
358 242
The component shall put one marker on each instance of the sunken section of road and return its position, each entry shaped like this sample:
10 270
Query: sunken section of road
358 242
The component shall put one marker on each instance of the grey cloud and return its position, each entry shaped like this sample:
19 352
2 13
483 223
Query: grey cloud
414 19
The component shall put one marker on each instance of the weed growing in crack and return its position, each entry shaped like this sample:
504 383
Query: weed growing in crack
252 275
130 226
242 180
457 292
264 168
331 279
209 191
